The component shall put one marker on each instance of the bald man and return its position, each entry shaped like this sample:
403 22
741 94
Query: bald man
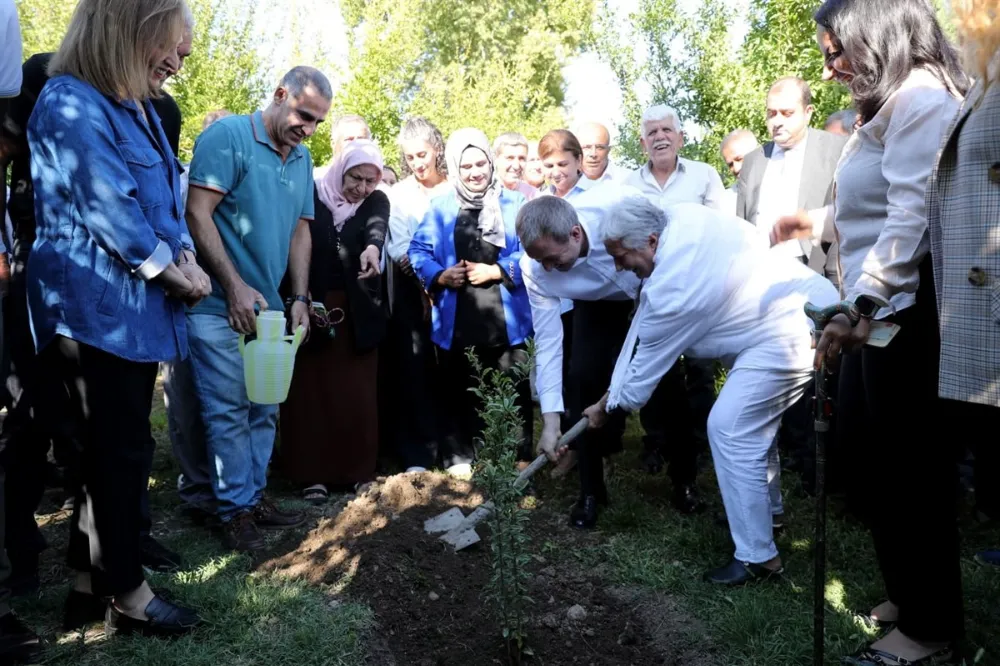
595 139
737 145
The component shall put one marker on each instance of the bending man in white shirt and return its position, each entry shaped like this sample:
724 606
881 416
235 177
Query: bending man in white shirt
712 290
565 260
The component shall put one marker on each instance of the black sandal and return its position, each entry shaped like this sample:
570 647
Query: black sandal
872 657
316 495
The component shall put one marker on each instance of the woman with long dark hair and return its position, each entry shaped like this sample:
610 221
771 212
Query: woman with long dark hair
906 82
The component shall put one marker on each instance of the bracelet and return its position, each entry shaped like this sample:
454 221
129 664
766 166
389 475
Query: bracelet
301 299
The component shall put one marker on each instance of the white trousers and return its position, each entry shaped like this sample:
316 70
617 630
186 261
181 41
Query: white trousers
742 431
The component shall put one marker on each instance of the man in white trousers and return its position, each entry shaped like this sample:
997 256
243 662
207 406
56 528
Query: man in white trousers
711 289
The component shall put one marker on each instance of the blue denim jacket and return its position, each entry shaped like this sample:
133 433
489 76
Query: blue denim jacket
109 220
433 249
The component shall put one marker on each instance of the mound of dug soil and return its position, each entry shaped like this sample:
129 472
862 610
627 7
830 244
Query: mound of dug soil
429 600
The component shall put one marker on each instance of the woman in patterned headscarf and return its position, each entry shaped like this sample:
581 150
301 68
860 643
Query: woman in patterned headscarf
329 424
466 254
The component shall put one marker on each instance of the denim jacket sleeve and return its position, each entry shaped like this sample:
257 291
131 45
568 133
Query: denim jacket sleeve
81 144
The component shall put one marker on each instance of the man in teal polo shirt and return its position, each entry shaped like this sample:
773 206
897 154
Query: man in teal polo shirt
249 206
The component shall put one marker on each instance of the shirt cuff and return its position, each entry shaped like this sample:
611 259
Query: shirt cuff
187 243
156 263
551 403
822 221
873 289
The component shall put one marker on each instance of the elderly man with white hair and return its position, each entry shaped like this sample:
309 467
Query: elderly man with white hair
713 290
668 178
564 259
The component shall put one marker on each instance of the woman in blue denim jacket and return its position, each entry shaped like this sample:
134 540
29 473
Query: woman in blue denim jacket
467 256
110 271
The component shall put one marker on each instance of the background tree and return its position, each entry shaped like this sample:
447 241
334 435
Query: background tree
495 66
692 64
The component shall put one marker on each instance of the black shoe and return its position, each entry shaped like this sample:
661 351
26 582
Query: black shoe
268 516
241 534
740 573
17 641
685 499
158 558
82 609
199 516
873 657
584 513
166 620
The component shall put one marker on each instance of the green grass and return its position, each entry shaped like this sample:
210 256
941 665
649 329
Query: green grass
252 619
256 619
646 543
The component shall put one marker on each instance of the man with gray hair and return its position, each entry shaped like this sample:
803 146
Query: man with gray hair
249 207
712 289
510 155
564 260
666 178
347 128
841 122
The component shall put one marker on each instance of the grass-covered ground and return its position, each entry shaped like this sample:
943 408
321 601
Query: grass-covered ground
260 620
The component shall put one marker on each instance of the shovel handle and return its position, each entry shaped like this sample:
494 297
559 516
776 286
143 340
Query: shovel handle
539 462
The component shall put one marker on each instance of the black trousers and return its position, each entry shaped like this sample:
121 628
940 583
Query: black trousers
463 424
39 418
891 428
599 330
408 369
112 399
979 424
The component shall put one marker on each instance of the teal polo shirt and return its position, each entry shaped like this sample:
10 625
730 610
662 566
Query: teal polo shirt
264 198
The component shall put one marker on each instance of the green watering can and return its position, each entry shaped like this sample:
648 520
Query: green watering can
268 361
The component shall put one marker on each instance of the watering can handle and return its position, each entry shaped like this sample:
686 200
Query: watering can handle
822 316
243 344
296 337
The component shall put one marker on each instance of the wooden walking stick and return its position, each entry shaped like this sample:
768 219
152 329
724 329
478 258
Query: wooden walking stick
823 414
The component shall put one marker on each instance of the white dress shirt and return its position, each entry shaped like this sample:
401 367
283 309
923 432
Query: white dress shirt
779 193
691 182
615 173
880 217
592 278
717 292
11 55
584 184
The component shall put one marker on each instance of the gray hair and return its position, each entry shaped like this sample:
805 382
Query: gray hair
737 135
546 217
420 128
512 139
299 78
846 118
350 118
188 17
631 222
660 112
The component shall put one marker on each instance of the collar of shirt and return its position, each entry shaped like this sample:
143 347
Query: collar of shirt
261 136
646 173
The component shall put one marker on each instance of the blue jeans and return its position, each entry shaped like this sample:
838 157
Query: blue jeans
239 434
187 435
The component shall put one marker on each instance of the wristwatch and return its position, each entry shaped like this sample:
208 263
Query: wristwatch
866 306
301 299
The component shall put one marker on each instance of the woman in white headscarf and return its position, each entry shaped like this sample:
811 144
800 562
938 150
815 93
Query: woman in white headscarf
467 256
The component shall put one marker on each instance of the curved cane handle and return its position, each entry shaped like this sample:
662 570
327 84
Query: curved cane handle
822 316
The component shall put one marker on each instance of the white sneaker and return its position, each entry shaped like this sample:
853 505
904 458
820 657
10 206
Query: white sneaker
415 469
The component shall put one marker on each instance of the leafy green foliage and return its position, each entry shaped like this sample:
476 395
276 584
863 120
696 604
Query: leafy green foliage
495 66
224 70
692 66
495 472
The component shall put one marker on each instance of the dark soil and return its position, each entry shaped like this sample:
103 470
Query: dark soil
428 599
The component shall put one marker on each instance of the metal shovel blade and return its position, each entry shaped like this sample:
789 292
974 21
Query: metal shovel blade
444 522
